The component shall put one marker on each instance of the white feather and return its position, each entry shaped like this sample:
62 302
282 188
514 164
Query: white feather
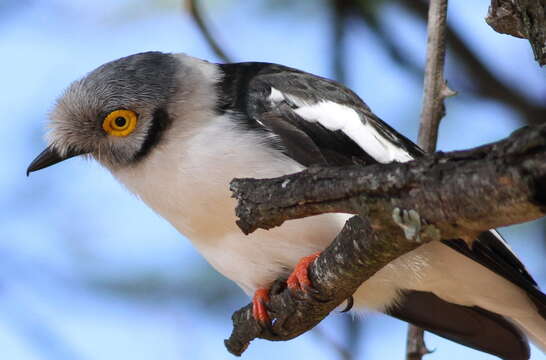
276 96
335 117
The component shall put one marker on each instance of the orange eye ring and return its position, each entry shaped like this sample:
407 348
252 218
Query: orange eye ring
120 122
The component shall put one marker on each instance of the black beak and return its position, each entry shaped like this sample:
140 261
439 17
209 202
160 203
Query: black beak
49 157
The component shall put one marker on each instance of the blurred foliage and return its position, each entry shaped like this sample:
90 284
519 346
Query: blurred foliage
201 287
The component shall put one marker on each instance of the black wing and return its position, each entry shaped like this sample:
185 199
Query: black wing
472 326
278 100
247 88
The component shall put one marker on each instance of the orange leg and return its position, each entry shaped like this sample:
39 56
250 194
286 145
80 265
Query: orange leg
259 310
299 279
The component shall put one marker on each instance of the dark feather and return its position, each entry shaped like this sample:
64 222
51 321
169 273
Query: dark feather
298 145
471 326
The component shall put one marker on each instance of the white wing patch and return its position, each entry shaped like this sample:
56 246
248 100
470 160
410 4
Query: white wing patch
334 116
276 95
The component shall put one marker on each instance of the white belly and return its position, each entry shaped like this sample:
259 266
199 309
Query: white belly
256 260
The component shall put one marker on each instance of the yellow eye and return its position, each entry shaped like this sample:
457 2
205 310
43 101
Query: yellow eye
120 122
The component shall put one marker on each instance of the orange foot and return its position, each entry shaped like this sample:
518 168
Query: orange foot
259 301
299 279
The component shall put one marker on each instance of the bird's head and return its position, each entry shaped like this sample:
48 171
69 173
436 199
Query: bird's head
116 113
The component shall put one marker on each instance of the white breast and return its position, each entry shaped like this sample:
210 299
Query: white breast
186 182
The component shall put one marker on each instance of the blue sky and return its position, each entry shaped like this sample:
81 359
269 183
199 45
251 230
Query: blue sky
70 236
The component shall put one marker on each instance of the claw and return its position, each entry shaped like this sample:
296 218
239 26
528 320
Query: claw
299 279
350 303
259 309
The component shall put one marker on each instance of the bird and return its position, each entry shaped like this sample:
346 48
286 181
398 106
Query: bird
175 130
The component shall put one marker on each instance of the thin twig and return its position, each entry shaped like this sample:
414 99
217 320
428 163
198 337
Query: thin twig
195 13
354 327
415 344
435 90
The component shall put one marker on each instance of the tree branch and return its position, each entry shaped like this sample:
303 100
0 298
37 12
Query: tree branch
435 86
415 344
456 194
523 19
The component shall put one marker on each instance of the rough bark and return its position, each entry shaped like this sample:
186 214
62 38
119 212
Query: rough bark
457 195
523 19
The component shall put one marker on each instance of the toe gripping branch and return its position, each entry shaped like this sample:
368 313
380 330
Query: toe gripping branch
259 305
299 286
299 279
298 283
